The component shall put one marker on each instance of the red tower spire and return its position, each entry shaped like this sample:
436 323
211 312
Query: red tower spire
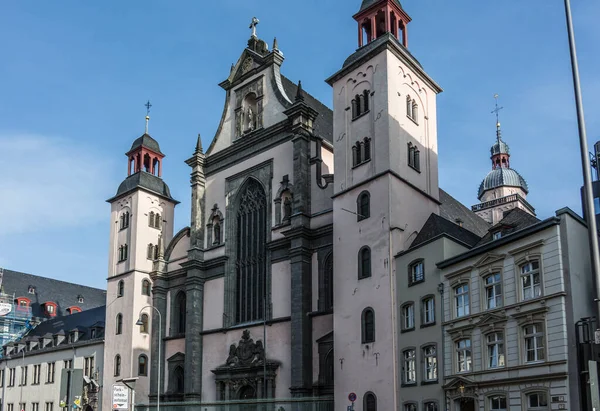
377 17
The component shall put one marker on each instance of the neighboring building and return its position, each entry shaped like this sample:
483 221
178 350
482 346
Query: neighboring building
27 300
30 372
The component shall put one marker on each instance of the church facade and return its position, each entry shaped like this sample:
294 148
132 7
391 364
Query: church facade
299 267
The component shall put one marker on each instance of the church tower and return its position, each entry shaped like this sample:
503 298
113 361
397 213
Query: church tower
141 221
503 189
386 186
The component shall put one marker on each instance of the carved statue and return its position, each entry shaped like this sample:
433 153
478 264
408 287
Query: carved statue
287 208
217 233
232 359
247 352
250 119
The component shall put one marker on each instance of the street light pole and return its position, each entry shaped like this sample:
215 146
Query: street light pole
139 322
585 162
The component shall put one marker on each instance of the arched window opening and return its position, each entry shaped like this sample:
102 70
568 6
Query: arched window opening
364 207
157 221
144 326
364 263
368 325
354 109
408 106
326 289
147 163
249 111
362 103
146 287
180 312
119 324
117 365
380 23
366 101
329 369
367 149
132 169
415 112
370 402
394 24
414 157
358 152
179 380
142 365
155 252
150 252
251 252
155 166
121 288
151 219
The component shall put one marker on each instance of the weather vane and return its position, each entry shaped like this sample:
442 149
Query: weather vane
497 111
147 105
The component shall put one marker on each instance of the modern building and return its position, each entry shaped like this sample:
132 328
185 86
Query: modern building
33 370
26 300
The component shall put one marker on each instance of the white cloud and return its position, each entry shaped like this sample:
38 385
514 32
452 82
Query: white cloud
49 182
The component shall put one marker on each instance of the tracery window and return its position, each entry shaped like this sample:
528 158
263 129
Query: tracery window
326 289
250 253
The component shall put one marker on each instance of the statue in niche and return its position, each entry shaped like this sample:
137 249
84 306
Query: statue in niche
246 353
287 208
250 119
217 233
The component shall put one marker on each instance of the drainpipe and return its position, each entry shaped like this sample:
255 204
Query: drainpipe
442 350
393 312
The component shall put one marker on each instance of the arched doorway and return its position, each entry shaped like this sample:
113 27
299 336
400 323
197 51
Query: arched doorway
247 393
464 404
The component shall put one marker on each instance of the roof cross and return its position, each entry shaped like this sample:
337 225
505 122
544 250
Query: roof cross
147 105
497 111
253 25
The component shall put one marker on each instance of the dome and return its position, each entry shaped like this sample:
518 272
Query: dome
146 141
146 181
500 147
502 177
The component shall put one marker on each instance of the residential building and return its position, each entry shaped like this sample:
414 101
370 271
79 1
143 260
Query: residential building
31 369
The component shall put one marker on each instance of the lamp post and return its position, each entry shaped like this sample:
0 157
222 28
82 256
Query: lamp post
140 322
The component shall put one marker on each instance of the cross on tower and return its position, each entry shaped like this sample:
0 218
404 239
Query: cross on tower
497 111
253 25
147 105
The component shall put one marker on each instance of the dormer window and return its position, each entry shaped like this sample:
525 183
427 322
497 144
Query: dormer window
497 235
50 308
23 303
73 310
93 333
31 290
80 299
360 104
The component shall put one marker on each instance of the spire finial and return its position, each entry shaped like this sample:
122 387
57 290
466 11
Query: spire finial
199 145
275 44
253 25
497 111
148 105
300 92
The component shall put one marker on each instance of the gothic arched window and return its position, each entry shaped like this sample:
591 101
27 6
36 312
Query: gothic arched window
366 101
157 221
179 375
142 365
326 285
119 324
370 402
363 205
121 288
250 252
180 313
409 106
364 262
151 219
368 325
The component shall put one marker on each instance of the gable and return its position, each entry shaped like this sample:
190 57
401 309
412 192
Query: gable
488 259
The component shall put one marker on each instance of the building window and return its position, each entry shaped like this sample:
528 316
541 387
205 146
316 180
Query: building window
119 324
37 372
497 235
363 209
22 303
88 367
408 317
463 355
154 220
117 365
430 363
530 280
412 109
410 407
146 287
497 403
409 367
124 220
22 406
11 377
10 407
80 299
537 401
370 402
364 262
92 333
50 309
142 365
68 364
31 290
495 350
150 254
51 366
144 326
250 258
360 104
414 157
180 312
121 288
326 285
461 300
416 272
534 342
49 406
408 106
361 151
123 252
430 406
2 377
368 325
179 380
493 291
428 316
35 406
23 375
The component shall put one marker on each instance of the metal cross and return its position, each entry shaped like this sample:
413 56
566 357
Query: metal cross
497 109
253 25
148 105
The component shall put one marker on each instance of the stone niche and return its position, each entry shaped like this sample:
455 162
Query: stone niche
249 107
246 374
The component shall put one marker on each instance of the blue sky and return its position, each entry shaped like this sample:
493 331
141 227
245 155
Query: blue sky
74 77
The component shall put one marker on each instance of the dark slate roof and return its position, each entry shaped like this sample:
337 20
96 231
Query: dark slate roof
514 220
81 322
501 177
499 147
452 209
323 126
146 141
145 180
368 3
367 48
436 225
62 293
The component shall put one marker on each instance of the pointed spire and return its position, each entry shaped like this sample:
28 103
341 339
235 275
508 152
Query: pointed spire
199 145
232 67
300 92
275 44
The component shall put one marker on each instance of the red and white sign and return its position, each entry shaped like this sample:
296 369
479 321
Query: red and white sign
352 397
120 397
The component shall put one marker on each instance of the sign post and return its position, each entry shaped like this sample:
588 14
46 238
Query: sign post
120 397
351 398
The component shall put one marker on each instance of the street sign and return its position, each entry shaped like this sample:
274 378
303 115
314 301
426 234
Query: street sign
120 398
352 397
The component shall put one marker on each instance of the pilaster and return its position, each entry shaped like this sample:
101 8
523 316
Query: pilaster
194 289
159 301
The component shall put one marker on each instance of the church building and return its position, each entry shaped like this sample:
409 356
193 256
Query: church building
317 238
